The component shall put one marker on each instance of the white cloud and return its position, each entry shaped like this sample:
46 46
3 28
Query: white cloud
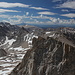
62 21
71 15
27 13
56 0
41 15
44 20
53 21
6 10
4 16
61 1
12 21
5 21
39 8
46 13
16 19
68 4
65 10
10 5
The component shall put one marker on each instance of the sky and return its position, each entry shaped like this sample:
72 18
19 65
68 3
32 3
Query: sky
38 12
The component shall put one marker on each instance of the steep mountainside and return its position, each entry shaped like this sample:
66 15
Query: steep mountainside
47 57
18 35
14 42
37 30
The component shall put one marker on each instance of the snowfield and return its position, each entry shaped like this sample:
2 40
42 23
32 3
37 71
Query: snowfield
48 32
8 63
52 35
8 42
18 48
28 38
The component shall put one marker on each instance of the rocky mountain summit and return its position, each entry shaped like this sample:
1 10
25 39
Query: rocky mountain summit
14 42
30 50
47 57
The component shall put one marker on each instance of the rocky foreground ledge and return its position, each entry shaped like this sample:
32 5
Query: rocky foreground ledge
47 57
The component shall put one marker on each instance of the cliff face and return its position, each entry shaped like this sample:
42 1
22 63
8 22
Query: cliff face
2 52
47 57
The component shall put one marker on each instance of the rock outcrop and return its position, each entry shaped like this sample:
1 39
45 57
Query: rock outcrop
47 57
2 53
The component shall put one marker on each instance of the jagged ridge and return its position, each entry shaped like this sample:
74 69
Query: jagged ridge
47 57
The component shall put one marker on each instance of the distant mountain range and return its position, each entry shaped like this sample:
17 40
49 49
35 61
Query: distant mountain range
52 26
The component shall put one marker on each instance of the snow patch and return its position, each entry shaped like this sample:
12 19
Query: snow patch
52 35
8 42
19 48
48 32
28 38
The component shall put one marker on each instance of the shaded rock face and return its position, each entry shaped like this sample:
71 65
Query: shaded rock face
70 36
20 37
47 57
2 53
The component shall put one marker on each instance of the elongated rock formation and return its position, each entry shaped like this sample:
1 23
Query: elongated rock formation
47 57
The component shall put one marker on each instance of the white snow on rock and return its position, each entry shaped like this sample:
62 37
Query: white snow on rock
28 38
6 71
48 32
19 48
8 42
52 35
5 65
9 62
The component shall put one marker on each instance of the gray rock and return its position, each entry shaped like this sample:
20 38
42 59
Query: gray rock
2 53
47 57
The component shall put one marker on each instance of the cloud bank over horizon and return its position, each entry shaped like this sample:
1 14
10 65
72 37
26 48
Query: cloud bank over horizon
42 12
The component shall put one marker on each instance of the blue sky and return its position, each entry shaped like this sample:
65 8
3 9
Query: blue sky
38 12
